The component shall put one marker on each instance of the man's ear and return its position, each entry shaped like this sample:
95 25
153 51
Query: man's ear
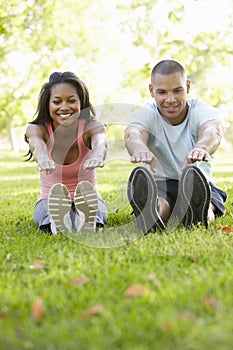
188 85
151 89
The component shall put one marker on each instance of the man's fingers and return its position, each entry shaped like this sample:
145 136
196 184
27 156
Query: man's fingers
198 155
144 157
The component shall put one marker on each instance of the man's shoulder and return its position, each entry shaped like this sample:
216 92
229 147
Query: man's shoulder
151 106
194 103
201 111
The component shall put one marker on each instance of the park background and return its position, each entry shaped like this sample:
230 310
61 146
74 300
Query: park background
112 46
162 291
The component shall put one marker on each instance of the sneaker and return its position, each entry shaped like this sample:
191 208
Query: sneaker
59 206
86 202
193 198
143 197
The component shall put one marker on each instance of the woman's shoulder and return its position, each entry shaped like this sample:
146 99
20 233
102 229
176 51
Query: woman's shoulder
39 130
94 125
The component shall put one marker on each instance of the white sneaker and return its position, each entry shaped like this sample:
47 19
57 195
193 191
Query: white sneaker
79 221
86 202
59 206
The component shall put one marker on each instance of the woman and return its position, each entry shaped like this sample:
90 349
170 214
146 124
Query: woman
68 143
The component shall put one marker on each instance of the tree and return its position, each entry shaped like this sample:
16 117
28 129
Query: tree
112 45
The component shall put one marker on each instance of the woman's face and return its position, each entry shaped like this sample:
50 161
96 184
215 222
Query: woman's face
64 104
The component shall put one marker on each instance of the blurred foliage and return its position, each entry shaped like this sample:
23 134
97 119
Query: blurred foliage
112 46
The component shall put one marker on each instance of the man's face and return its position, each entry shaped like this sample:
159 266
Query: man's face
170 94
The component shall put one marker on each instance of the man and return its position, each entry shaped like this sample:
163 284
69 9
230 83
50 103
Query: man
175 139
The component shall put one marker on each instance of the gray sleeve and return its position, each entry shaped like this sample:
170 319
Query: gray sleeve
201 112
144 116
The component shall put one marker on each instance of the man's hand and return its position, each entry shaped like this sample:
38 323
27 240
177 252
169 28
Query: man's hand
196 155
144 157
209 137
136 142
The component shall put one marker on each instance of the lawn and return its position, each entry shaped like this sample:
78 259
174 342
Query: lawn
115 289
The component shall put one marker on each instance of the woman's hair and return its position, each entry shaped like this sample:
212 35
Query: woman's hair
42 112
42 115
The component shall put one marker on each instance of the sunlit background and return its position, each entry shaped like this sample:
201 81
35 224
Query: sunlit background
112 46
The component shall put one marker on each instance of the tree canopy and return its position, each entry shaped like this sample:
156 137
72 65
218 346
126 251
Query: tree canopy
112 45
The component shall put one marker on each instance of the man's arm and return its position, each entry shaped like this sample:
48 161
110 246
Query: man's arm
136 142
209 138
35 137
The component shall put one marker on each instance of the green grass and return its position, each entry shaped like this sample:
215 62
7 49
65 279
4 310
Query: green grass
186 299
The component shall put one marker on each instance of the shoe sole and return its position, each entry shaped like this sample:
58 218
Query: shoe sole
147 216
194 194
59 205
86 201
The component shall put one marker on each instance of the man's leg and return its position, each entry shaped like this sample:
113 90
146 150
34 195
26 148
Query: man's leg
143 197
193 200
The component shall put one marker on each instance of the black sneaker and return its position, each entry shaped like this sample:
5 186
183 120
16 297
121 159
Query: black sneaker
143 196
193 198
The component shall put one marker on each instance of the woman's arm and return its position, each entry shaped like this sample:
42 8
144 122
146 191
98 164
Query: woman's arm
38 147
96 135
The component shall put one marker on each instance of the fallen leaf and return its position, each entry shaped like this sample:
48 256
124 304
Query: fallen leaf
151 277
37 264
8 238
127 241
4 312
38 310
166 327
211 301
95 310
188 315
192 258
81 281
135 290
228 230
8 256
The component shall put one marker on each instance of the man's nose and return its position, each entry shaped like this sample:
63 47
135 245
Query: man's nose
170 97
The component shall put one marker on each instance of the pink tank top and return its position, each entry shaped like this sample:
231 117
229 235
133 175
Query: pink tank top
70 175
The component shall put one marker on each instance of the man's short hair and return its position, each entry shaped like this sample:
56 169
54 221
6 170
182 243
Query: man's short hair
167 67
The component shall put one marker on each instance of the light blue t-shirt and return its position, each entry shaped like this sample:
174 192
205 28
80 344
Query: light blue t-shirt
170 143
